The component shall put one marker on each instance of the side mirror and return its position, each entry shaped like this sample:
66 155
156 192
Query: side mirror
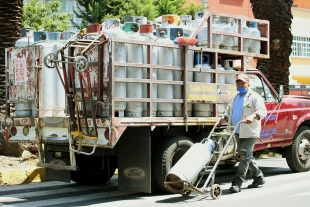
281 92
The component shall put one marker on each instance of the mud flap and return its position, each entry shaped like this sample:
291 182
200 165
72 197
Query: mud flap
56 175
134 160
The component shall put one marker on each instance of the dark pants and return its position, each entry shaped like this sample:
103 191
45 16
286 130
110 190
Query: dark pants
247 161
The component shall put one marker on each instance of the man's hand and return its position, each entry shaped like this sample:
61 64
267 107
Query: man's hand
249 119
223 119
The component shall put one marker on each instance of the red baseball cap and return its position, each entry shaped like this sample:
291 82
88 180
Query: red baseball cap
243 77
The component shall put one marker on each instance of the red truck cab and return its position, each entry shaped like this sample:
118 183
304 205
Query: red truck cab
286 128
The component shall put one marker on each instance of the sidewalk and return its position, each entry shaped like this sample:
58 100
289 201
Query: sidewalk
21 176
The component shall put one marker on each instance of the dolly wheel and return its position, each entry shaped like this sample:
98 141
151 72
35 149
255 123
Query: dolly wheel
216 191
80 63
49 60
186 193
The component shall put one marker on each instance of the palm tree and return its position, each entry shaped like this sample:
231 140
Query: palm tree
278 13
11 23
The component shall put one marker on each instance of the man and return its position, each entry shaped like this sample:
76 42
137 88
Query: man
248 106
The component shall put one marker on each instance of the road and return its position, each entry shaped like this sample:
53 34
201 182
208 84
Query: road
283 188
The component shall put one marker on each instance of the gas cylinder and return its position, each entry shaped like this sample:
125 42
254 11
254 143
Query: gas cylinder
146 30
186 23
51 102
94 28
229 78
165 57
246 41
185 20
140 19
216 39
170 19
254 44
202 60
40 36
177 89
54 35
132 27
134 90
27 32
59 103
235 27
112 29
221 76
129 18
188 167
202 35
27 37
227 42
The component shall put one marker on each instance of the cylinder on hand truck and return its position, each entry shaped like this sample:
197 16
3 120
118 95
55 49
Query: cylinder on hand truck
189 166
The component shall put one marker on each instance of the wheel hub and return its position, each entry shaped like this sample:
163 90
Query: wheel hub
304 149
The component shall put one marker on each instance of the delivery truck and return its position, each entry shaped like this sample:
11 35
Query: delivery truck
123 98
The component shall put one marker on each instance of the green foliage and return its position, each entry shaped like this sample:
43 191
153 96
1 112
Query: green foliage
96 11
144 8
170 7
46 17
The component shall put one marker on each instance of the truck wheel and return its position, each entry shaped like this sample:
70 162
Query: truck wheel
297 155
167 155
93 170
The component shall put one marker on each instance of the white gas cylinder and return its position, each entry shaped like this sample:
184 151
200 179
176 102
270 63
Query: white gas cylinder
229 78
134 90
246 41
227 42
255 45
188 167
146 30
164 91
177 89
202 35
140 19
113 30
216 39
202 110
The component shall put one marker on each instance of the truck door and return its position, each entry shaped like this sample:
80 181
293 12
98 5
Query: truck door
274 124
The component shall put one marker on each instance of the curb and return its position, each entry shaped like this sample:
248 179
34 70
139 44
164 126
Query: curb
18 176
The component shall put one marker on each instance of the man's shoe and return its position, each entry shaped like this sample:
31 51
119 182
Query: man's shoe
235 189
257 183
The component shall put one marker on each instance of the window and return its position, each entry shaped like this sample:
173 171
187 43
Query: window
258 85
301 47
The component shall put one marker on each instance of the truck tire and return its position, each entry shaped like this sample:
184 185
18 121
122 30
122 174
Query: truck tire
92 170
296 158
167 154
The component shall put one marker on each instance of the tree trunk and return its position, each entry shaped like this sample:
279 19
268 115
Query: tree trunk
11 23
278 13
